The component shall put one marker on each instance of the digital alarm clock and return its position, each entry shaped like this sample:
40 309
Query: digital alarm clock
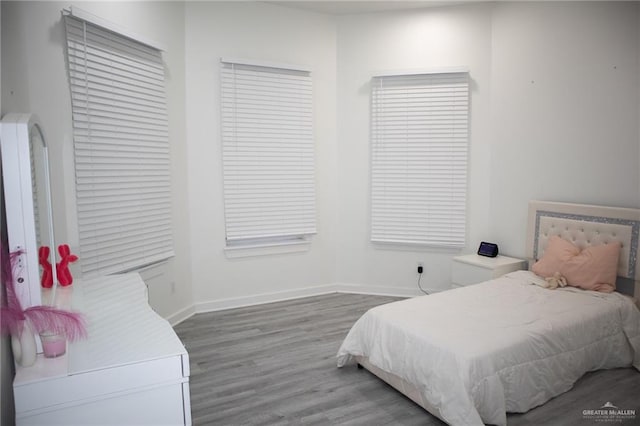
488 249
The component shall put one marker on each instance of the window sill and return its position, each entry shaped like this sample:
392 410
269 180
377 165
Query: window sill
267 249
415 246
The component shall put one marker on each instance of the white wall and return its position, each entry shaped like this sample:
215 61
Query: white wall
554 117
564 109
261 32
571 135
34 80
417 39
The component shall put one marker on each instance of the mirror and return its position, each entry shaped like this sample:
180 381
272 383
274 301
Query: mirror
27 191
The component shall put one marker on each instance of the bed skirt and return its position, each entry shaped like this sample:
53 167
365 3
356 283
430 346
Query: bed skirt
402 386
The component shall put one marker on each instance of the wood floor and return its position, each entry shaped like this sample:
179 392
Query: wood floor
275 364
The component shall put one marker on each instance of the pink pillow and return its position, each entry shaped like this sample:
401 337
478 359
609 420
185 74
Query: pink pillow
558 252
594 268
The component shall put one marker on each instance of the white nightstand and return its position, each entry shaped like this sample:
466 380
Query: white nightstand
472 269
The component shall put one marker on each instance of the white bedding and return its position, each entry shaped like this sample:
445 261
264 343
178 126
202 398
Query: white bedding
505 345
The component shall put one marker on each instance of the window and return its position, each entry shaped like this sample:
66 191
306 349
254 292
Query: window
419 136
121 149
268 154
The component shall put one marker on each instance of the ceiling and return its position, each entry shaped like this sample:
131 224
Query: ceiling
364 6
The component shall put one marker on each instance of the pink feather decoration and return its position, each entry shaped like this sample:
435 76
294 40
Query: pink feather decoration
42 318
11 321
9 270
11 315
58 321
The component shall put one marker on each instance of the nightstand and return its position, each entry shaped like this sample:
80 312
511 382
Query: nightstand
472 269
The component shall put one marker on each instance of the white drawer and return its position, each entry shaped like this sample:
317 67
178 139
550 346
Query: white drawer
473 269
74 389
466 274
124 408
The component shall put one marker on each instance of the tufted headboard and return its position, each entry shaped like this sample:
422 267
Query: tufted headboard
587 225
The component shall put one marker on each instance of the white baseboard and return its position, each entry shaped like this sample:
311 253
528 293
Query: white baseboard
377 290
183 314
258 299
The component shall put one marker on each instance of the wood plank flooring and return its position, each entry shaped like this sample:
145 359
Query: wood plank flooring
275 364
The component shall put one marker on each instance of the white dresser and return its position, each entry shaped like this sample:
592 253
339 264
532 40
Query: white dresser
132 370
472 268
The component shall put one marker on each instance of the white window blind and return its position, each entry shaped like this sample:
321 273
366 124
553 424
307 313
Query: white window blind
121 148
419 135
268 154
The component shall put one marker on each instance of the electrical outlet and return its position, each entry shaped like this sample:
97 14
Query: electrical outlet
420 268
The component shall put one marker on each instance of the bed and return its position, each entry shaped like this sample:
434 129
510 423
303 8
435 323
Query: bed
472 354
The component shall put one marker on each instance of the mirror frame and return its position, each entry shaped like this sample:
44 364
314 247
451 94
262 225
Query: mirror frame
15 136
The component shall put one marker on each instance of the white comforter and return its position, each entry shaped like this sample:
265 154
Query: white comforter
505 345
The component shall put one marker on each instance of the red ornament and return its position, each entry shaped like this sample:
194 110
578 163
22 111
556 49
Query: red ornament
46 281
62 268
